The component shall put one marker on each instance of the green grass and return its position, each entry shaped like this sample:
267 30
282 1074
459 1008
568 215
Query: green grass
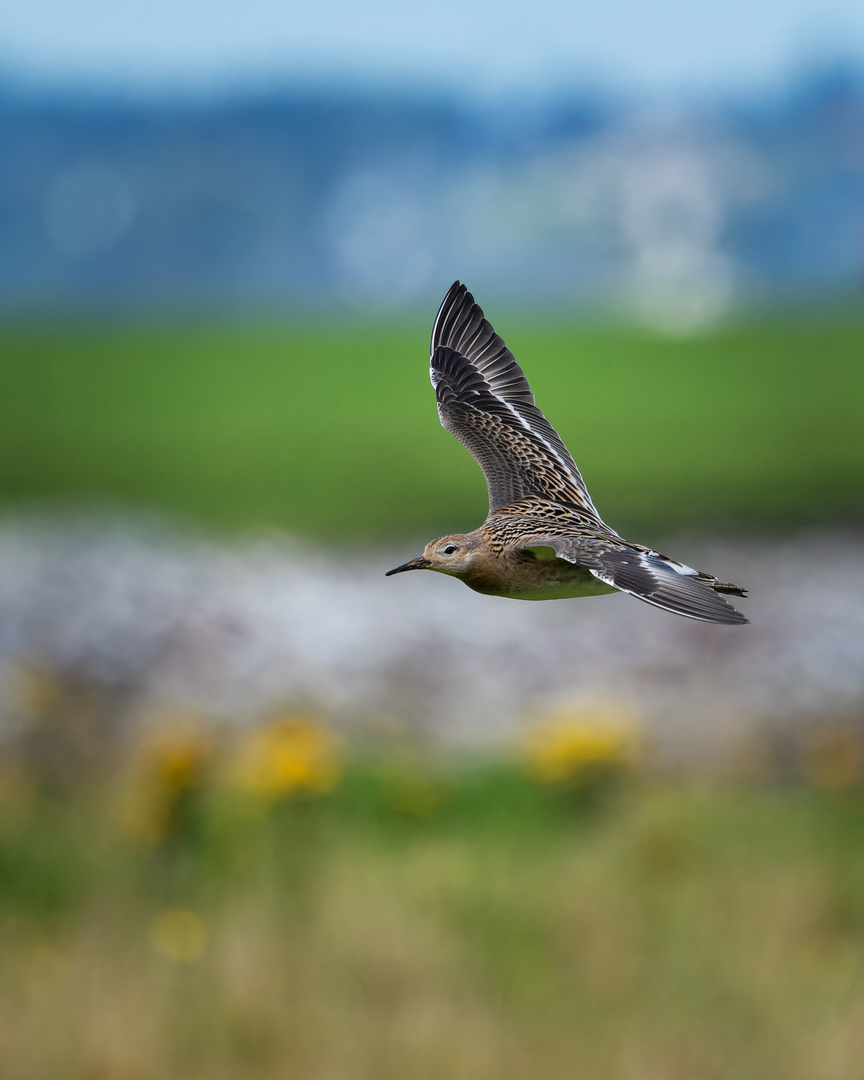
501 932
333 433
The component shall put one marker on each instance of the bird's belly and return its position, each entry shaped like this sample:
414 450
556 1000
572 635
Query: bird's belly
556 580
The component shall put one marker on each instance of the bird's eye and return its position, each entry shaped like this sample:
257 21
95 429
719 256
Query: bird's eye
450 549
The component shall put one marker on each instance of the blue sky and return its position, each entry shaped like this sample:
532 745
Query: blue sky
662 47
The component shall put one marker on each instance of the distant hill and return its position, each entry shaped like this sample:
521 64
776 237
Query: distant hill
328 199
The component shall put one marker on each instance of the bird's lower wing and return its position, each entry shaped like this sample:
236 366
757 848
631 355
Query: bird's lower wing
648 578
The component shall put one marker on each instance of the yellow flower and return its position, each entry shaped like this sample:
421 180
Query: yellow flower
297 754
833 756
32 691
171 763
176 755
179 935
579 741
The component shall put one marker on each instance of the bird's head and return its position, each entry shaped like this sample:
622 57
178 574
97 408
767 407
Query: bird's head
454 555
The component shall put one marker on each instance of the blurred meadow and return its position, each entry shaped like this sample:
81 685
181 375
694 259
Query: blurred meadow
277 905
265 813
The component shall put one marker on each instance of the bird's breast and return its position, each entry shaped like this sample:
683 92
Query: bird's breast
534 579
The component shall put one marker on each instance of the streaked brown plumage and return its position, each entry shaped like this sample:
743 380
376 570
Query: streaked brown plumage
543 538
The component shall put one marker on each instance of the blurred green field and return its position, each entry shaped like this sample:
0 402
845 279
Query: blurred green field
333 432
411 925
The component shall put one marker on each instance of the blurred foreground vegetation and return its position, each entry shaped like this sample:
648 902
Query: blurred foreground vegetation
333 432
278 905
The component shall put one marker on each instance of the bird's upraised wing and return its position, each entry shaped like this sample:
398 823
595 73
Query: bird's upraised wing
485 401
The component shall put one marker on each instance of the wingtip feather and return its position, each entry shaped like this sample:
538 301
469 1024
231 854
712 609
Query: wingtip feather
649 579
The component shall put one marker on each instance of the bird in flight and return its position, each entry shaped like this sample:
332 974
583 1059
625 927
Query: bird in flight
543 538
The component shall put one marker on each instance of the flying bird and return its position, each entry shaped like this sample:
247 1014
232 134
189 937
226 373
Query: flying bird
543 538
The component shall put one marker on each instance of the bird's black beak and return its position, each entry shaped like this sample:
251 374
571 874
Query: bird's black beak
421 563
